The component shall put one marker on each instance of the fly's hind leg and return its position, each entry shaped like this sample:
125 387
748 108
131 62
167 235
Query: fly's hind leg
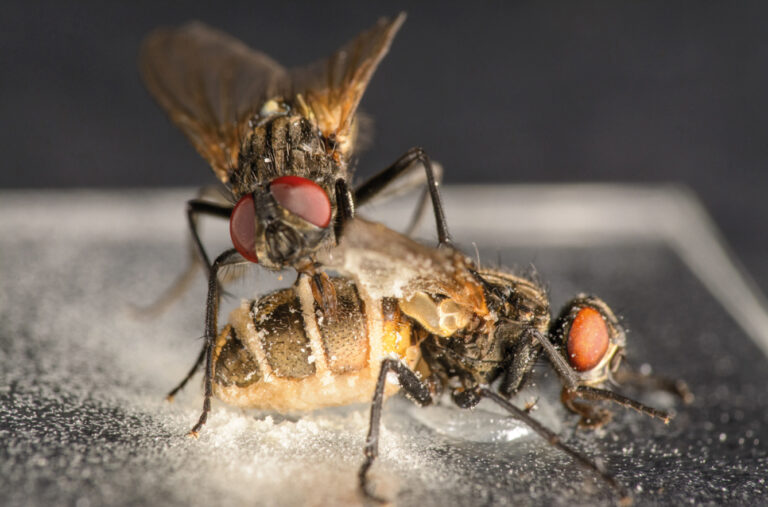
413 387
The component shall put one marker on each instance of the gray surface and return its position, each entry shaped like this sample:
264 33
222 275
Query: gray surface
83 421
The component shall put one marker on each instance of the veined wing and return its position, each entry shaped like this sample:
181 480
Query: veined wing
333 87
210 84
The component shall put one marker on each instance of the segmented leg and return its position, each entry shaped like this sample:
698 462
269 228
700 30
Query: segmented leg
189 375
596 394
575 389
553 440
197 207
377 183
213 300
413 387
197 255
677 387
345 207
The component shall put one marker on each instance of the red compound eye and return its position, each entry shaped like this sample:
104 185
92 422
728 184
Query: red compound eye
302 197
242 227
587 340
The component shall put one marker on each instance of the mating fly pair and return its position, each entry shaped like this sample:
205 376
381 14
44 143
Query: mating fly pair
281 142
475 332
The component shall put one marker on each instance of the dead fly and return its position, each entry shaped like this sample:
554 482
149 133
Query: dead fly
279 140
461 329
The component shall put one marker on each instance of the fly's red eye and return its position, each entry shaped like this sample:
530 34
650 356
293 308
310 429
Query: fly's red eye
587 340
242 227
302 197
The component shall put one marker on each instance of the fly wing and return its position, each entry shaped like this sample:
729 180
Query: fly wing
385 263
210 84
333 87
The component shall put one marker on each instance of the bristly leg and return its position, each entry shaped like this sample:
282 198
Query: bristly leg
676 387
345 207
380 181
189 375
414 388
574 389
213 300
197 255
595 394
554 440
197 207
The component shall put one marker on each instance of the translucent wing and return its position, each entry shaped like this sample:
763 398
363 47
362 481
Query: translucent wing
210 84
333 87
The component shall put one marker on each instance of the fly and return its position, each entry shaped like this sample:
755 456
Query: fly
279 140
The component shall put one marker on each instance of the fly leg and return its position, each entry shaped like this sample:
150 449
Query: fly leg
413 387
591 417
197 255
576 389
197 207
553 439
190 374
597 394
379 182
677 387
345 207
229 257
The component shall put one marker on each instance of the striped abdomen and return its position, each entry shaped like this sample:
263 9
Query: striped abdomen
280 353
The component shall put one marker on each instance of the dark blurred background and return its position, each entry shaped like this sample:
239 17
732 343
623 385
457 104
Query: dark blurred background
498 92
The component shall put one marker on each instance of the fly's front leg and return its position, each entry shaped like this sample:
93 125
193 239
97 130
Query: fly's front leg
554 440
197 207
591 417
197 255
213 300
574 388
413 387
523 354
379 182
597 394
627 375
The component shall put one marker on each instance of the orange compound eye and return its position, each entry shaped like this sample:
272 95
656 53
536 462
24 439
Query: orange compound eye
302 197
242 228
587 340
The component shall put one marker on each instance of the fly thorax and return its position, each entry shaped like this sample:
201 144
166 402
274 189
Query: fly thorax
283 145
